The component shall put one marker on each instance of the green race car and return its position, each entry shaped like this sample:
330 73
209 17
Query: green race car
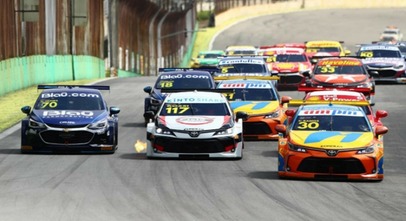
207 59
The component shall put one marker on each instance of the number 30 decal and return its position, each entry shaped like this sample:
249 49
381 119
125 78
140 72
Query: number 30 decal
308 125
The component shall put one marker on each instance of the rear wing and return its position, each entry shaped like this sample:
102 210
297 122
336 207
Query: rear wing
309 102
98 87
211 70
245 76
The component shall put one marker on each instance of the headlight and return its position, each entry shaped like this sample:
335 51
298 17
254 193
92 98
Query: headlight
224 132
163 130
99 124
399 66
36 124
366 150
366 85
296 148
274 114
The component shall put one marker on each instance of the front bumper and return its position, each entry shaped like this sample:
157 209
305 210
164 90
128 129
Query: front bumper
260 128
73 140
219 147
317 165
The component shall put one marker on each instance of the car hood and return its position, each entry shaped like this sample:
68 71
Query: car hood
254 107
331 139
68 118
340 78
290 66
194 122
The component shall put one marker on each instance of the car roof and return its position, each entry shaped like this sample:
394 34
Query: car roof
77 90
195 97
336 93
212 52
322 43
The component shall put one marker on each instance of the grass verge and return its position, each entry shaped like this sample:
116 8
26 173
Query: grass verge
11 103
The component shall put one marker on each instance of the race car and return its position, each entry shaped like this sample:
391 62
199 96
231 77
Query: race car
195 124
330 141
262 103
391 34
68 118
280 49
207 59
175 79
315 49
242 67
343 97
241 50
289 66
386 59
342 73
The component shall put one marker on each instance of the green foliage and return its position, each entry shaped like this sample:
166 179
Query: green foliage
203 15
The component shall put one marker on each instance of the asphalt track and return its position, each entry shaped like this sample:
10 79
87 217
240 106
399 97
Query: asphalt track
127 186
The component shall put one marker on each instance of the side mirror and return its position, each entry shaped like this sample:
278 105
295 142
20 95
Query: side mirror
26 109
380 114
114 110
347 52
285 99
306 74
290 112
380 130
374 73
149 115
148 89
281 128
241 115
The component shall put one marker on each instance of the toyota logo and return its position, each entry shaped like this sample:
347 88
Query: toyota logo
332 153
194 133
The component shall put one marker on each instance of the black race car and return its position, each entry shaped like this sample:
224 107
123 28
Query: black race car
175 80
68 118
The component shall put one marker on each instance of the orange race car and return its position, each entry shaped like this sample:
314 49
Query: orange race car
330 141
341 73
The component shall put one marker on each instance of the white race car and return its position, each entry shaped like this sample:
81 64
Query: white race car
195 125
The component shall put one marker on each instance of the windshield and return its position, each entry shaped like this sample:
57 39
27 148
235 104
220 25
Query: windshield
243 68
69 101
323 49
209 55
332 123
380 54
251 95
205 109
291 58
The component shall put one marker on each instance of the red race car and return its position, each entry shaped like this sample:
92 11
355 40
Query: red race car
348 97
289 64
341 73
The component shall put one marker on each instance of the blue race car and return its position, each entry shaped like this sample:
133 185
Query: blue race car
70 118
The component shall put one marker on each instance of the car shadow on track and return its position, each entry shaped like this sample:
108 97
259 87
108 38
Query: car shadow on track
10 151
138 124
134 156
269 175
